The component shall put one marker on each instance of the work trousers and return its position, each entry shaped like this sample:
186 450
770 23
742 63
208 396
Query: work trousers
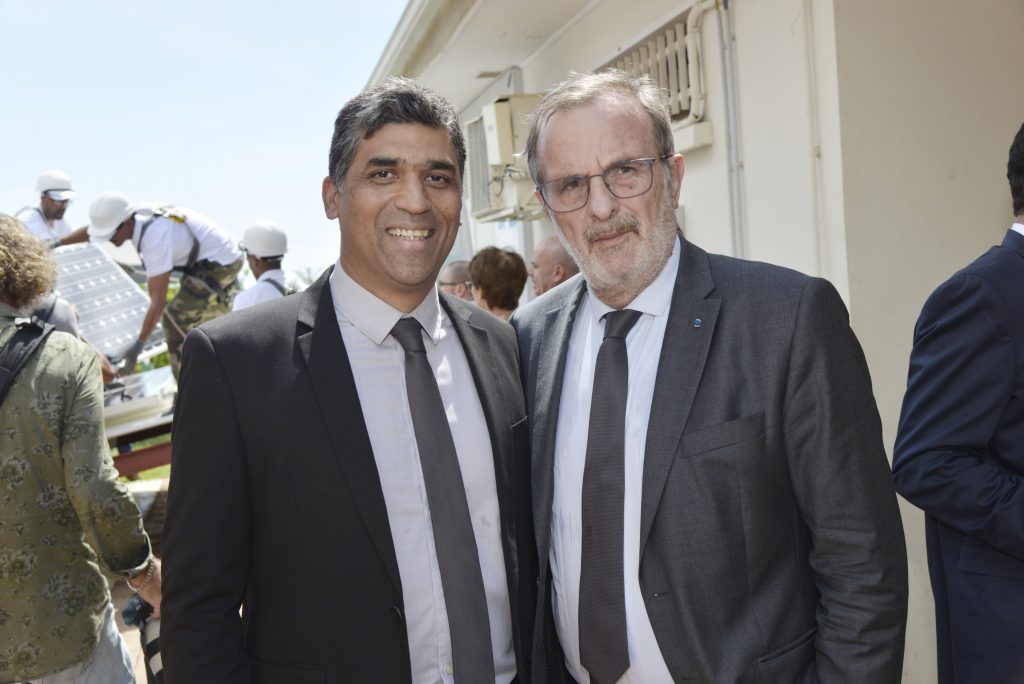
207 289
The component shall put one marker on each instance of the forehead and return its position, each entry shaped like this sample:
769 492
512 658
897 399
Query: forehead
587 138
407 144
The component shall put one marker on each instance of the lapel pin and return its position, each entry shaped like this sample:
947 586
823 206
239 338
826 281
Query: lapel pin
697 322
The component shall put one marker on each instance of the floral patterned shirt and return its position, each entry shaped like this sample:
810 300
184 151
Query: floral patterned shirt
62 510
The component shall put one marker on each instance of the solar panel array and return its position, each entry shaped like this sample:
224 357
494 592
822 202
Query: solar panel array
110 304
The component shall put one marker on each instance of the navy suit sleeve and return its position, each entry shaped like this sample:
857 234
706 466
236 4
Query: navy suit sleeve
206 532
959 385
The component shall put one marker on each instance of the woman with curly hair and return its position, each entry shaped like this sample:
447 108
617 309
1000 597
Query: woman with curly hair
62 510
497 277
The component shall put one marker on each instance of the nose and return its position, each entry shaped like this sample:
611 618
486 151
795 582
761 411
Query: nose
602 204
412 196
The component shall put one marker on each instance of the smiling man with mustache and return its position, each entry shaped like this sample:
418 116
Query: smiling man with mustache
711 497
348 461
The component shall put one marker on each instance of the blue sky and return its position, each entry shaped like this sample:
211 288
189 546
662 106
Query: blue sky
224 107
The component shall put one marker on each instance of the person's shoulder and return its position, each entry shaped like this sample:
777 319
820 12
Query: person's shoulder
26 214
62 352
732 272
534 313
244 299
477 317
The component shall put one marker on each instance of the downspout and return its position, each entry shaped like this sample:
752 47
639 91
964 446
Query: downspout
817 173
695 89
732 130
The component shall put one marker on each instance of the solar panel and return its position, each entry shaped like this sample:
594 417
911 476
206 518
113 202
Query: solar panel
139 402
110 304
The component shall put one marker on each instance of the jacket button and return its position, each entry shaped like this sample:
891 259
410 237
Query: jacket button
396 615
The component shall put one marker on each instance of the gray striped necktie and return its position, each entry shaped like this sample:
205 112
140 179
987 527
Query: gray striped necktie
464 595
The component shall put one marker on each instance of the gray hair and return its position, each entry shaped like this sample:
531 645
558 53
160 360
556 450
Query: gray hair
582 89
396 100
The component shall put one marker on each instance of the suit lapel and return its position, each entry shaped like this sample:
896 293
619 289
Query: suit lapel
490 389
330 373
683 354
551 350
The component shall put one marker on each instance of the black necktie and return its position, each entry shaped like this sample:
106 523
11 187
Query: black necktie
604 650
464 596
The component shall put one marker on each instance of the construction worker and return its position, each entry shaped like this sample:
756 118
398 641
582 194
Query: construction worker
264 245
171 238
46 221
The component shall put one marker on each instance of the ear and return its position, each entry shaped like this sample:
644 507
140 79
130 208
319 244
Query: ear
676 165
547 212
559 273
330 195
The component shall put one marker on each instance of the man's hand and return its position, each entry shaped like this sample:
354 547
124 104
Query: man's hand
131 357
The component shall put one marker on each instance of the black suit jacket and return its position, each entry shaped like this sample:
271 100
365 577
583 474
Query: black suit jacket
771 546
960 456
275 503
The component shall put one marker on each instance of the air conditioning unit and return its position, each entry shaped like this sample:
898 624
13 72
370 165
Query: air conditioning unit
500 186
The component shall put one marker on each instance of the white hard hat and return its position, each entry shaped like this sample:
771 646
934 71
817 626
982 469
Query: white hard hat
56 185
264 240
106 213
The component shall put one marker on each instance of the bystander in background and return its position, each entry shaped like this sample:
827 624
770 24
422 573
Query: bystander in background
62 511
497 277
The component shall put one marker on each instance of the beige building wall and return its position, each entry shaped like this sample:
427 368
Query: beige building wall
873 138
930 98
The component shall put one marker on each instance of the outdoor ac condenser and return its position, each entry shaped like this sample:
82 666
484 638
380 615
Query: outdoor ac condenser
500 185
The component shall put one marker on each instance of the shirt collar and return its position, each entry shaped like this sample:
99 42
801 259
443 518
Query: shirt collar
273 274
375 318
1019 227
655 299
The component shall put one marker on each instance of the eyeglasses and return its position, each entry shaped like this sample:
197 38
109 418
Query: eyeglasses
623 180
442 283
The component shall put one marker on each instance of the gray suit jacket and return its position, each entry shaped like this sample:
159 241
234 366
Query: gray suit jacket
771 543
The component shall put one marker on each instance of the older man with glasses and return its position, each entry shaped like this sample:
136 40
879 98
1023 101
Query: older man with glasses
711 496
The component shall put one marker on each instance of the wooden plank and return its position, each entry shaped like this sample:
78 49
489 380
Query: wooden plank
134 462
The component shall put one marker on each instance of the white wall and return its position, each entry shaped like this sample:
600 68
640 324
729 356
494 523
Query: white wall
873 139
930 98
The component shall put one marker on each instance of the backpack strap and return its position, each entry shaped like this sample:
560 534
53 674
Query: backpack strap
30 333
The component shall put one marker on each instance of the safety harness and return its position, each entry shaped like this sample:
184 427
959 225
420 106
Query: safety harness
175 215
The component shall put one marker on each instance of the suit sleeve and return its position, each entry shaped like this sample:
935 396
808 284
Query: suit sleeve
206 532
843 486
959 385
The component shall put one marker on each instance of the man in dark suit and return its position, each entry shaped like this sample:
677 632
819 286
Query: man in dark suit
744 526
305 471
960 455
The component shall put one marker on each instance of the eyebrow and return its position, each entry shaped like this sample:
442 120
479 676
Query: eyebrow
621 160
433 164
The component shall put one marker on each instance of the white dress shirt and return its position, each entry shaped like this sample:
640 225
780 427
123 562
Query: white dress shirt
1019 227
643 347
378 367
262 291
37 224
